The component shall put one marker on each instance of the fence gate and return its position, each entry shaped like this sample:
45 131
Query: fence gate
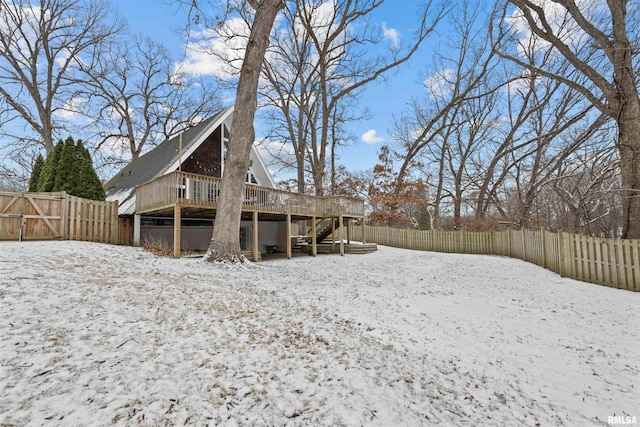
25 216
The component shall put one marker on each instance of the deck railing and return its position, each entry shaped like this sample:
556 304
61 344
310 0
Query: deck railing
202 191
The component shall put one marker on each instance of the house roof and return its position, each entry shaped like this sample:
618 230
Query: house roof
162 159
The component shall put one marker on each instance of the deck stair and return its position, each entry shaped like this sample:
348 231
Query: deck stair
323 228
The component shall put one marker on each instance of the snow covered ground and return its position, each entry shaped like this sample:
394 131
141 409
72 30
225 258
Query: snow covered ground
94 334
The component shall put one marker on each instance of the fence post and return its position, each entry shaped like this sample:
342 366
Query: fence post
572 257
464 242
543 236
636 270
491 244
72 207
115 228
64 215
561 263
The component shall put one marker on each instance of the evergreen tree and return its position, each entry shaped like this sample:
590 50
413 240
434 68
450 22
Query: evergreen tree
66 178
88 183
35 173
47 176
70 168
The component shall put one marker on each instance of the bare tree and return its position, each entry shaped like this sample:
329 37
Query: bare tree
139 98
464 145
432 130
225 243
555 137
454 157
12 180
588 186
291 91
41 44
598 43
539 114
317 70
461 70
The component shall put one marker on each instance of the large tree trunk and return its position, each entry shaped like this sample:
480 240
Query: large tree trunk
629 148
628 119
225 242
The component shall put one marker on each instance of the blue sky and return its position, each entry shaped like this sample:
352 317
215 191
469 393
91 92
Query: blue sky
160 20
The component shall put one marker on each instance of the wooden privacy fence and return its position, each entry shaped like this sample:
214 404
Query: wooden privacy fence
608 262
39 216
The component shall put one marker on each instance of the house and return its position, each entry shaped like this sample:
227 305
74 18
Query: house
169 195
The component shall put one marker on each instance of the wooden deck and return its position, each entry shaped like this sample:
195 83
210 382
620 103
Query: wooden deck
202 192
181 193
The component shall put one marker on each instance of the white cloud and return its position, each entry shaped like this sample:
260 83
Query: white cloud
71 108
391 34
322 18
216 52
270 148
439 84
371 137
417 134
278 156
560 22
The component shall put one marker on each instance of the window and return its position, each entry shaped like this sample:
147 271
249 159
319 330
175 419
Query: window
225 142
251 179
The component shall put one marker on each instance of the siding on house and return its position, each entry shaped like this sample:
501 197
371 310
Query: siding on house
207 158
197 237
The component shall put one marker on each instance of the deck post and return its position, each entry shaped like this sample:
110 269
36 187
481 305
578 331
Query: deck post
348 231
177 222
333 235
64 215
364 232
314 237
341 225
136 230
256 247
288 236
